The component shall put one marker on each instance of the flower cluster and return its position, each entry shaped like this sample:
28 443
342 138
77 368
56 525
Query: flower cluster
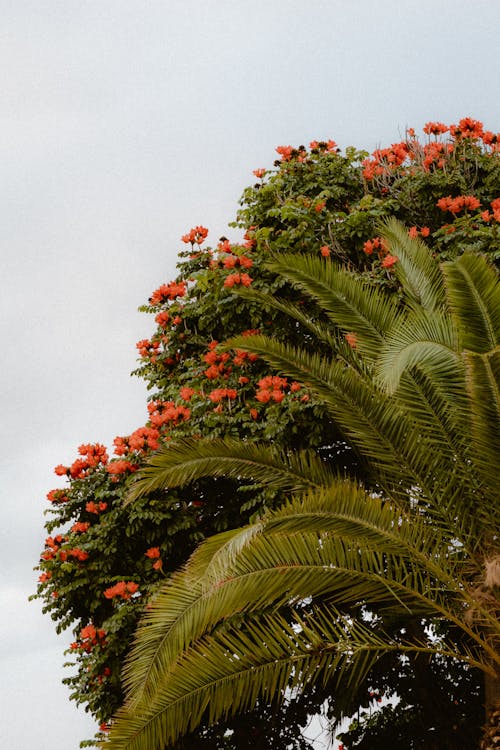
237 278
168 292
57 496
413 232
89 637
218 394
120 466
153 553
122 589
271 388
80 527
147 348
376 243
93 456
216 361
195 236
495 205
163 413
92 507
143 439
459 203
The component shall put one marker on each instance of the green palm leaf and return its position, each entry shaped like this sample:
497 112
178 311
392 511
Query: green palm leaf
177 464
352 306
416 270
473 290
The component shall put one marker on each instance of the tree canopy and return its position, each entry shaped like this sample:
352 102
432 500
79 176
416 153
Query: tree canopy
104 559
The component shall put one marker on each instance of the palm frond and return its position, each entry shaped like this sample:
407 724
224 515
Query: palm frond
429 342
353 306
265 657
340 543
416 269
473 290
177 464
483 385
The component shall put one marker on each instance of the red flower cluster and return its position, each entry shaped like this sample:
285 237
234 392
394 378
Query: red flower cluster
325 251
57 496
147 348
44 577
162 318
220 393
389 261
80 527
53 545
285 152
384 158
237 278
216 361
459 203
96 508
376 243
329 146
467 128
166 412
435 128
186 393
259 173
495 205
241 356
195 236
121 466
77 553
122 589
154 554
231 261
141 440
351 339
271 387
413 232
167 292
94 455
89 637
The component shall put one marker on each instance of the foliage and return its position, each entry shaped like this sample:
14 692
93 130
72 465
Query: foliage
314 200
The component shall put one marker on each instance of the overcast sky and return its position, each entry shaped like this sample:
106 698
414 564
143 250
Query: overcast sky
123 124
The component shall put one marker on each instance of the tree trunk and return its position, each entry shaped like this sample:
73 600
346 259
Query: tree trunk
491 735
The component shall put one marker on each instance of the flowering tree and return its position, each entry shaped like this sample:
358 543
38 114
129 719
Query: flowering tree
104 559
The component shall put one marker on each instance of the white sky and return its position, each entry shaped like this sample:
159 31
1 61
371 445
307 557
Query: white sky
124 123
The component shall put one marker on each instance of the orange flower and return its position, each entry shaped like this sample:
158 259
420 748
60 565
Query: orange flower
319 206
259 173
389 261
351 339
153 553
325 251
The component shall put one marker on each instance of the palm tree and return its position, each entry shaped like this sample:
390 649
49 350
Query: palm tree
312 591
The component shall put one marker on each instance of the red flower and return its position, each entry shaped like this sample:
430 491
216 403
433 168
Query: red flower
325 251
389 261
259 173
61 470
319 206
153 553
351 338
80 527
196 235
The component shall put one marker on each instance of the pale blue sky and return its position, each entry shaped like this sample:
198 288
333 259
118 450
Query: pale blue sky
124 123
